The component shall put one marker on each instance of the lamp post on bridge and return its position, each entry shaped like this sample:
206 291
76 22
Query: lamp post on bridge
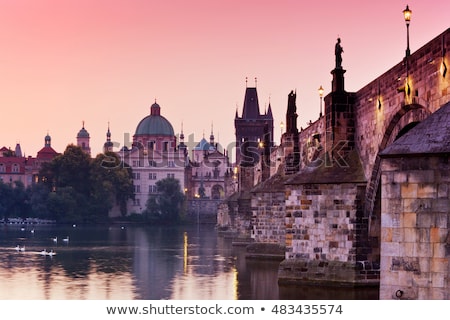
407 15
321 97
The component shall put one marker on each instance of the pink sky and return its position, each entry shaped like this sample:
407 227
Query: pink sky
100 61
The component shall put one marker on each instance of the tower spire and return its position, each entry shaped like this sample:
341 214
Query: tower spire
211 137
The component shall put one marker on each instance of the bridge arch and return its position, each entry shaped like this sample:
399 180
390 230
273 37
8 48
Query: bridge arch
407 116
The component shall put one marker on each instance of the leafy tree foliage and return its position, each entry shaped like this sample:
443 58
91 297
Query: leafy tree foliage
166 205
72 188
14 200
111 183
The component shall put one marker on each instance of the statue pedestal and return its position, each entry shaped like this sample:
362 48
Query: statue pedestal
337 84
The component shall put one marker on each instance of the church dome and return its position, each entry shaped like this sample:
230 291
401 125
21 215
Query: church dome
154 124
83 133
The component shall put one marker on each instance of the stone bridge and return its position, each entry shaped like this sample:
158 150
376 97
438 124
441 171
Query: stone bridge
326 203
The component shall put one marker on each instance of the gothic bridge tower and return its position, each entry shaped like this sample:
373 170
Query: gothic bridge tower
250 129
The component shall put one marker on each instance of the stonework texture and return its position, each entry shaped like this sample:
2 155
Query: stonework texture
415 223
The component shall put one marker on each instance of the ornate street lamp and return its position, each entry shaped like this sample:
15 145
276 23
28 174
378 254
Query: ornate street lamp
407 14
281 127
321 96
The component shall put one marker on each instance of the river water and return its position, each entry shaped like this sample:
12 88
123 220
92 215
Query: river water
139 262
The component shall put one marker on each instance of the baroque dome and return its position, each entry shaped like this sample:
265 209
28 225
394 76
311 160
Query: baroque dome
154 124
83 133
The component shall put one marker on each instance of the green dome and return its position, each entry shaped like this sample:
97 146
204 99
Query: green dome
154 124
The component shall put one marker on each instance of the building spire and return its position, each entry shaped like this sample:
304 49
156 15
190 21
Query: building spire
211 137
182 133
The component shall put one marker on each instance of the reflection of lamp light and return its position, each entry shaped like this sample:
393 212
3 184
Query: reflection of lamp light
407 14
197 196
321 96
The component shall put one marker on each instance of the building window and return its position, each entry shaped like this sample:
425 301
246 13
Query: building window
136 176
166 146
152 176
2 167
152 189
15 168
171 175
137 202
137 188
151 145
152 163
171 164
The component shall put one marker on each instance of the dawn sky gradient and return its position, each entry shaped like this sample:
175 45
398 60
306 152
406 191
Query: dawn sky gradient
63 62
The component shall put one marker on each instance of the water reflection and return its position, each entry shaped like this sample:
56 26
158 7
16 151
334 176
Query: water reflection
149 263
195 264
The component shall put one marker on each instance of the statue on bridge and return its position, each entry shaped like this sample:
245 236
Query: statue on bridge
338 50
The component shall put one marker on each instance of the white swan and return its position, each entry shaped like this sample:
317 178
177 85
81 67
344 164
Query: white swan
55 239
18 248
66 239
47 253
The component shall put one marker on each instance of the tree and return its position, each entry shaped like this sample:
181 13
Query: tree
87 188
14 200
38 200
166 205
6 200
111 183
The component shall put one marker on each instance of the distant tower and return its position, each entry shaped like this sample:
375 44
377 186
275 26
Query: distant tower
47 141
182 146
211 137
250 129
108 145
83 140
18 151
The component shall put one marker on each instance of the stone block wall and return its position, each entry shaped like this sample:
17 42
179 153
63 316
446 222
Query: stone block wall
415 219
325 223
268 218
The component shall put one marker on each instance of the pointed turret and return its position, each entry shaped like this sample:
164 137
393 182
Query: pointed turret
211 136
269 111
250 127
18 151
108 146
251 104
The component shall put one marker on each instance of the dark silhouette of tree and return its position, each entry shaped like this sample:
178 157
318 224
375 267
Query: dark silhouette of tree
82 189
111 183
166 204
